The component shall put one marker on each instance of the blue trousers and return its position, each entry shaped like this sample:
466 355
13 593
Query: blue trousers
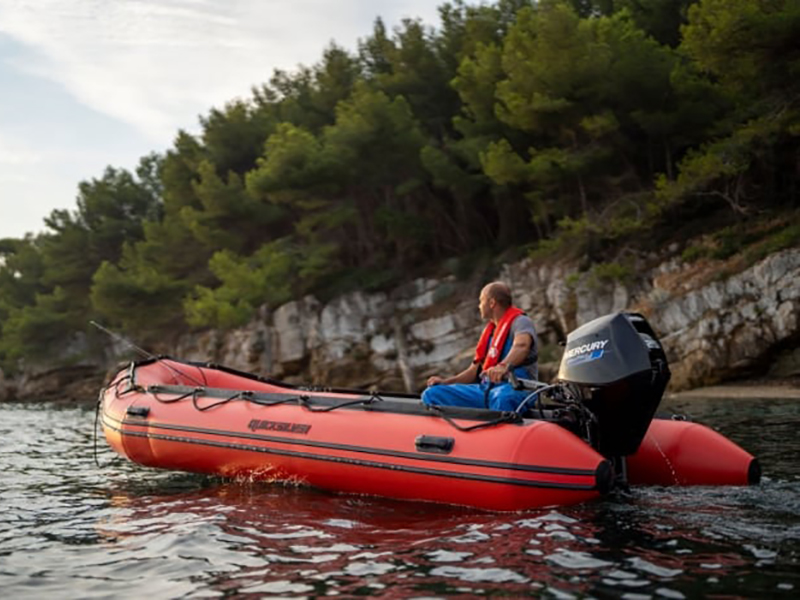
501 396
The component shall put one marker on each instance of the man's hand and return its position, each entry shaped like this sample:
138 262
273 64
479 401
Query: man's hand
435 380
497 373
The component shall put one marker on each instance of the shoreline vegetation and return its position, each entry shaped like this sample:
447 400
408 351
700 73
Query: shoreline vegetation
583 130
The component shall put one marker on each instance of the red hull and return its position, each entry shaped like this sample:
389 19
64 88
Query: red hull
230 424
684 453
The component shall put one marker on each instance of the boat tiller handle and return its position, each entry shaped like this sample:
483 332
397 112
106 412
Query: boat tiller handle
434 444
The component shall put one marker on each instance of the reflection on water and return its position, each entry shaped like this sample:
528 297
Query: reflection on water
71 529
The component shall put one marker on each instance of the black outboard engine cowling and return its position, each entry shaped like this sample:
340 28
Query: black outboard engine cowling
621 371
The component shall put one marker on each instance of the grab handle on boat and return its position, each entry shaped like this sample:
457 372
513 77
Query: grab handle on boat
138 411
434 444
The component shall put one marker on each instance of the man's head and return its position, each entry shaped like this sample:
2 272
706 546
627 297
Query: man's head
494 300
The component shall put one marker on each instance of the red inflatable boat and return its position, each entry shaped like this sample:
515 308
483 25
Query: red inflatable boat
571 443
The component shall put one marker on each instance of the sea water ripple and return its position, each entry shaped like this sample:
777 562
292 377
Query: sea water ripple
71 528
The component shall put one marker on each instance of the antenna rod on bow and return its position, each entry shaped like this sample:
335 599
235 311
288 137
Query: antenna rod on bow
145 353
125 341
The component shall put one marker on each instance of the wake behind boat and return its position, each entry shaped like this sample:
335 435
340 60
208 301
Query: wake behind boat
570 442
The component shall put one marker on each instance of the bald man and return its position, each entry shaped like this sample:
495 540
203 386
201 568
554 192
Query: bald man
508 343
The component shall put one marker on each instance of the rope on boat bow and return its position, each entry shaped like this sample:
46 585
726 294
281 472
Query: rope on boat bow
303 400
114 384
96 419
505 417
373 397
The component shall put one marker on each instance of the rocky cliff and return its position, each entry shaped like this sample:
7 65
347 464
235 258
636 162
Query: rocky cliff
714 325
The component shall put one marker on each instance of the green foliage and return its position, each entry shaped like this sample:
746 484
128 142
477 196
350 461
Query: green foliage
228 216
694 253
265 277
572 280
750 46
581 89
720 168
661 19
110 212
475 83
375 139
39 330
575 127
787 237
46 282
292 160
136 296
753 240
21 273
574 238
415 66
730 241
503 165
367 279
233 137
610 272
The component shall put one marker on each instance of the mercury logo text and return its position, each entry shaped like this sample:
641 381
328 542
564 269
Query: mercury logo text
584 348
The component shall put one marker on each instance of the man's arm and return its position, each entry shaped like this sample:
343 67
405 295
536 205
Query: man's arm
468 375
515 357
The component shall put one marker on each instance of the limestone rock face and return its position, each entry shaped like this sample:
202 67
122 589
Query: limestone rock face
726 328
75 378
713 327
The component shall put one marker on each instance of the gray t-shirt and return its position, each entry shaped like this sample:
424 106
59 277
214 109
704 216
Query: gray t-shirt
524 324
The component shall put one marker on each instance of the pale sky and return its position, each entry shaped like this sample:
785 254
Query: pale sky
85 84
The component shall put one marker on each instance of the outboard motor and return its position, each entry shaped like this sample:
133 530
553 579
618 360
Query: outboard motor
620 371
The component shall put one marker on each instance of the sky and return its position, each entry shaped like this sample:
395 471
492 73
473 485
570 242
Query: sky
86 84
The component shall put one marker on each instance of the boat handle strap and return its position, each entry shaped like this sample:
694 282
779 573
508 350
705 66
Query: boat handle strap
434 444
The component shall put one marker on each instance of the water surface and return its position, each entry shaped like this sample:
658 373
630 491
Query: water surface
69 528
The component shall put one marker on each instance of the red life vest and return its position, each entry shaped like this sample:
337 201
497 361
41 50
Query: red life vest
488 354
